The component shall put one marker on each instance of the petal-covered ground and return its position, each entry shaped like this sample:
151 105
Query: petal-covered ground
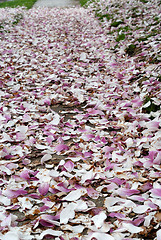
80 122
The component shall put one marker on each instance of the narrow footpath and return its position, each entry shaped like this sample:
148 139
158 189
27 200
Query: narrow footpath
80 120
56 3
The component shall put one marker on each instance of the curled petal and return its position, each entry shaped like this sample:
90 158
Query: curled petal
67 213
75 195
69 165
11 236
156 192
61 147
50 232
126 192
45 158
14 193
99 219
43 188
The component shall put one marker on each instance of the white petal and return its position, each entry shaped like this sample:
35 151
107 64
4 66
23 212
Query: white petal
83 56
147 104
67 213
99 219
50 232
140 209
75 195
101 236
56 119
131 228
78 229
110 201
22 129
4 200
81 206
10 236
46 157
159 234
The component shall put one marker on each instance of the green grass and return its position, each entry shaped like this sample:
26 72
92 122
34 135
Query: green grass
15 3
116 23
83 2
152 108
120 37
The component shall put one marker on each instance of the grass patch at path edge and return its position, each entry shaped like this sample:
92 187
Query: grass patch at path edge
26 3
83 2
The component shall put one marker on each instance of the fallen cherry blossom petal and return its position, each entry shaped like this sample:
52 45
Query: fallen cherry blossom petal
69 165
51 233
43 188
100 236
131 228
159 235
99 219
67 213
75 195
156 192
45 158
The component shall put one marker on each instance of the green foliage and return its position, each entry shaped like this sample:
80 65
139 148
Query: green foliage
26 3
130 50
83 2
143 1
159 78
100 16
152 107
17 18
116 23
120 37
153 32
124 28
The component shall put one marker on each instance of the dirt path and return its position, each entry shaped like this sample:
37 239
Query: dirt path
80 149
56 3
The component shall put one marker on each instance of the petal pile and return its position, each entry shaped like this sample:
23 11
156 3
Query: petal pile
80 121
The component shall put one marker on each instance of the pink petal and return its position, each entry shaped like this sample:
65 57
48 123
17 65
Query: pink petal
26 118
14 193
61 147
61 187
7 221
25 174
93 112
20 136
156 192
92 193
118 215
69 166
43 188
126 192
157 160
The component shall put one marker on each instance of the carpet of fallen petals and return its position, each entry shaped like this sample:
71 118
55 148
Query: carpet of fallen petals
80 122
